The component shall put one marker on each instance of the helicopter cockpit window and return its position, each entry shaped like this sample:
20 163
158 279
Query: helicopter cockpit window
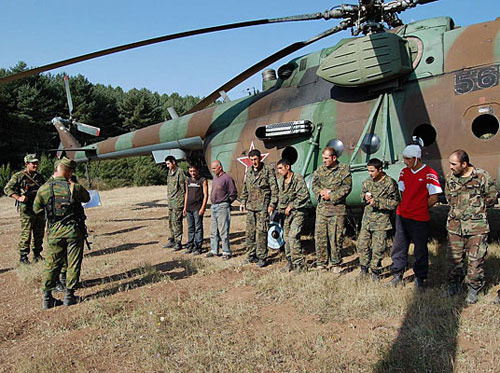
290 153
337 145
485 126
370 143
427 133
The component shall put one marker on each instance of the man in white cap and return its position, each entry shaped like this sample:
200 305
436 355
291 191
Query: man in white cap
419 186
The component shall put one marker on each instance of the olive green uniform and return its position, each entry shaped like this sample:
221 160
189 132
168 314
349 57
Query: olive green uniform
65 234
467 224
330 215
296 195
176 190
32 226
372 240
260 191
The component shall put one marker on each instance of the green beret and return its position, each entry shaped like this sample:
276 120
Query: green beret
30 158
68 163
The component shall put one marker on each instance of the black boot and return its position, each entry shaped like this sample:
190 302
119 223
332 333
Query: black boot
70 298
472 295
49 301
375 276
178 247
24 259
289 265
37 257
170 243
454 288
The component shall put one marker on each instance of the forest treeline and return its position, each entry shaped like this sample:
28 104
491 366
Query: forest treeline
28 105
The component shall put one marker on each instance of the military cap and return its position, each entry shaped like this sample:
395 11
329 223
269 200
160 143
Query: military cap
30 158
68 163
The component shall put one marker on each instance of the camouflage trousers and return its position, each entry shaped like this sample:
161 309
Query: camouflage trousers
256 236
32 230
292 226
475 247
175 224
371 247
329 234
62 251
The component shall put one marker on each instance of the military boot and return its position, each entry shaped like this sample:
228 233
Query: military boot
472 295
24 259
177 246
375 276
363 273
289 265
61 284
37 257
170 243
49 301
454 288
419 284
70 298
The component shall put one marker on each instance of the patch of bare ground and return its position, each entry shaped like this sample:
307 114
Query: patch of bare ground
149 309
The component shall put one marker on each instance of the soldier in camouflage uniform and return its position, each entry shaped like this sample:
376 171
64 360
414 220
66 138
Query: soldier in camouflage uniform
293 198
22 187
259 198
331 184
469 191
381 194
176 191
61 201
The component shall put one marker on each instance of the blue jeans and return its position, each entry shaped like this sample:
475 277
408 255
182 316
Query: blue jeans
195 229
220 223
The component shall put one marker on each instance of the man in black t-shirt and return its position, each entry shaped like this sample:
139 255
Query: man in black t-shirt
195 203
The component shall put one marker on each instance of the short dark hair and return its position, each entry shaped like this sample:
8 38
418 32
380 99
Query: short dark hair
284 162
330 149
192 165
375 162
462 156
171 159
253 153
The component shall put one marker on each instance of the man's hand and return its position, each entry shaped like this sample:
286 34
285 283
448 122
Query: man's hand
288 210
325 194
201 212
184 212
22 199
270 210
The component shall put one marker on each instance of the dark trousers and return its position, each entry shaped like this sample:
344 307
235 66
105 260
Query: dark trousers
408 230
195 229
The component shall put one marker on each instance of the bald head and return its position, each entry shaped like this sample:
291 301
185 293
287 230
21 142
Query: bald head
217 168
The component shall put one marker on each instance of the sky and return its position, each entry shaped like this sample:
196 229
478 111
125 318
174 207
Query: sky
39 32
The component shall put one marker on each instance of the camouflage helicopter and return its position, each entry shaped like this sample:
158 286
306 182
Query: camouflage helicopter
367 96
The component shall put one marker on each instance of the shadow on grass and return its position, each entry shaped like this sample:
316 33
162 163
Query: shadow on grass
140 277
123 247
3 270
150 204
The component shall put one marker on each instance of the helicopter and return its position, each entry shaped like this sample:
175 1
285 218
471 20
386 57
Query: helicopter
368 96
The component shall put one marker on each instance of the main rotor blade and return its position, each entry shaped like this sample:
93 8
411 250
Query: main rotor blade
68 94
160 39
264 63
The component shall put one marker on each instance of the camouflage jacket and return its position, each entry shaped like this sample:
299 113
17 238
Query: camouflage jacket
294 194
176 189
24 184
339 181
468 198
260 189
386 198
61 229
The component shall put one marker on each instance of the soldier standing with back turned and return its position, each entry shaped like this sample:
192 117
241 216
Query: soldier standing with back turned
61 200
22 187
259 198
331 184
469 191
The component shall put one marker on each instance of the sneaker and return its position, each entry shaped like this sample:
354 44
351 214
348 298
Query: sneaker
226 256
336 269
210 254
320 267
397 280
196 252
261 263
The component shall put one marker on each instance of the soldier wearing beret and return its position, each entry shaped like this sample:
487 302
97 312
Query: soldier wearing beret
469 191
22 187
61 200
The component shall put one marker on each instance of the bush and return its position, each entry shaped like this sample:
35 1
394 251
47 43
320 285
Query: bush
5 174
